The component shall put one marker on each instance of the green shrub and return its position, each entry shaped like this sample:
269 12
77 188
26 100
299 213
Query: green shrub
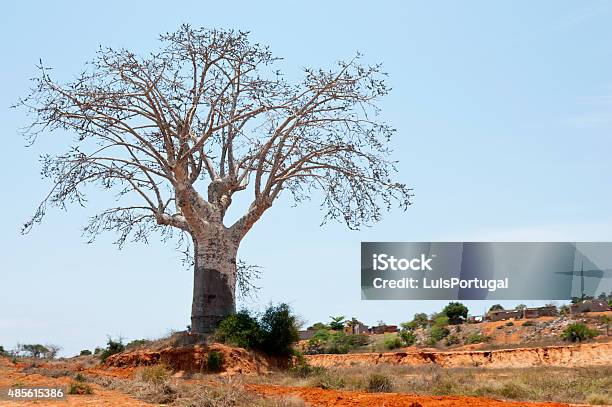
317 343
335 342
408 337
379 383
241 330
85 352
529 323
437 333
214 361
279 330
477 338
80 378
79 388
274 333
392 342
509 323
2 351
156 374
112 348
440 320
578 332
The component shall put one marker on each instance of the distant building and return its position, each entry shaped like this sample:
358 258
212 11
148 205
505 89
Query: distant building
589 306
546 311
355 327
502 314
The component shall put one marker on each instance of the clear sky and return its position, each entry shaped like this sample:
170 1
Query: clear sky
504 119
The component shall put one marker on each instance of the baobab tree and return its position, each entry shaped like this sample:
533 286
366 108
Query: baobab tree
177 133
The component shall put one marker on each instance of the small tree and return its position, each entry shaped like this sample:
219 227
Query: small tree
496 307
456 312
34 350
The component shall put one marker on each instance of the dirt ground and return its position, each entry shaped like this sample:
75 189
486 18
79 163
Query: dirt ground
320 397
11 376
240 363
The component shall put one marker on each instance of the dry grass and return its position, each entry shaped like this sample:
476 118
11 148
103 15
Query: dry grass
221 393
570 385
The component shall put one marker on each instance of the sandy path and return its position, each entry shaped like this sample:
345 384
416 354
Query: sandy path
320 397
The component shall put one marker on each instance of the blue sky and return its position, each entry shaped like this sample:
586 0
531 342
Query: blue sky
504 119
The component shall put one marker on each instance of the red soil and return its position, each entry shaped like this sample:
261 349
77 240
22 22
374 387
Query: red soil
192 359
320 397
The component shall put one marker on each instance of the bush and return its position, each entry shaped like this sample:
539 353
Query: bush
80 378
241 330
274 333
3 352
529 323
279 329
214 362
509 323
156 375
85 352
337 343
578 332
112 348
477 338
325 341
379 383
79 388
408 337
437 333
392 342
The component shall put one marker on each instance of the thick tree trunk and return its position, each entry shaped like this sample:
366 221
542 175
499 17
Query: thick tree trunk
214 281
